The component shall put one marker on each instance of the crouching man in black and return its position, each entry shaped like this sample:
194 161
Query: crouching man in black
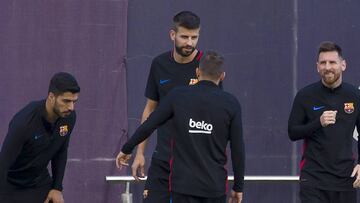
39 133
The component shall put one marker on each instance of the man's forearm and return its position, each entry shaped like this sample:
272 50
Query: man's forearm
141 148
149 108
301 131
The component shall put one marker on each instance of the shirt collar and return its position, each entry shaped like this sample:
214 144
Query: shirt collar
336 89
207 83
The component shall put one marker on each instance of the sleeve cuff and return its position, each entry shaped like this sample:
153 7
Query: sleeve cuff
238 187
126 149
57 187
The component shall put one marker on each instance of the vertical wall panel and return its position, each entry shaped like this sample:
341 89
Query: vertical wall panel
88 39
256 39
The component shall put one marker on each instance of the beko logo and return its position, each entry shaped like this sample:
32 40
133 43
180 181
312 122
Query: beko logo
200 127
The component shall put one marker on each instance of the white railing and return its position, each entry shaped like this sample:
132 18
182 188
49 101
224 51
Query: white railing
124 179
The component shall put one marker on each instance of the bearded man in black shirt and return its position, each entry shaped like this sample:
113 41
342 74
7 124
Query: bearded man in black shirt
324 115
39 133
168 70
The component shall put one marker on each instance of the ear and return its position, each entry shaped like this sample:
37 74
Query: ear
343 65
51 97
222 76
172 34
317 67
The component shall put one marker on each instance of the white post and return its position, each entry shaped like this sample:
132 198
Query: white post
127 196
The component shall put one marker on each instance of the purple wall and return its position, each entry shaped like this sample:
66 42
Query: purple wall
88 39
315 25
269 47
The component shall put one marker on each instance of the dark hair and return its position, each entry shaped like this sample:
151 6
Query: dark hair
186 19
327 46
63 82
211 65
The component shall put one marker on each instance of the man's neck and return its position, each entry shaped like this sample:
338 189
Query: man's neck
181 59
50 114
209 79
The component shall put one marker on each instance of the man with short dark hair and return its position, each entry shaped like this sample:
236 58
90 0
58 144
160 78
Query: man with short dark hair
205 118
39 133
168 70
324 115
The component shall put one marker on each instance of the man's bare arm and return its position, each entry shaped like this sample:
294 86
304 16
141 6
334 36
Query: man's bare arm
138 166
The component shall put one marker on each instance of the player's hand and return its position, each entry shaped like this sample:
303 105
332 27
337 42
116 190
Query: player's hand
356 172
328 118
138 166
122 160
235 197
54 196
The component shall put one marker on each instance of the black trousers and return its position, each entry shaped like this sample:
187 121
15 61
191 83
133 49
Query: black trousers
157 182
28 195
182 198
310 194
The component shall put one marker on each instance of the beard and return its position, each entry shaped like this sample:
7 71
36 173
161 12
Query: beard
330 77
57 111
184 51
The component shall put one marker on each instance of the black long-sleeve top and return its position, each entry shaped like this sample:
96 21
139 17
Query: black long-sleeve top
328 159
30 144
204 119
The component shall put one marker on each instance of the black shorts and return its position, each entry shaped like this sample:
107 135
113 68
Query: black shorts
310 194
33 195
182 198
157 182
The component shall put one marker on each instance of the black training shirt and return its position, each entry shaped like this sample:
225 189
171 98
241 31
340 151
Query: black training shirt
328 159
30 144
165 74
204 119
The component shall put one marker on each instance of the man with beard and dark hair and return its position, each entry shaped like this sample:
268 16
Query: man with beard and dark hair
37 134
324 115
168 70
